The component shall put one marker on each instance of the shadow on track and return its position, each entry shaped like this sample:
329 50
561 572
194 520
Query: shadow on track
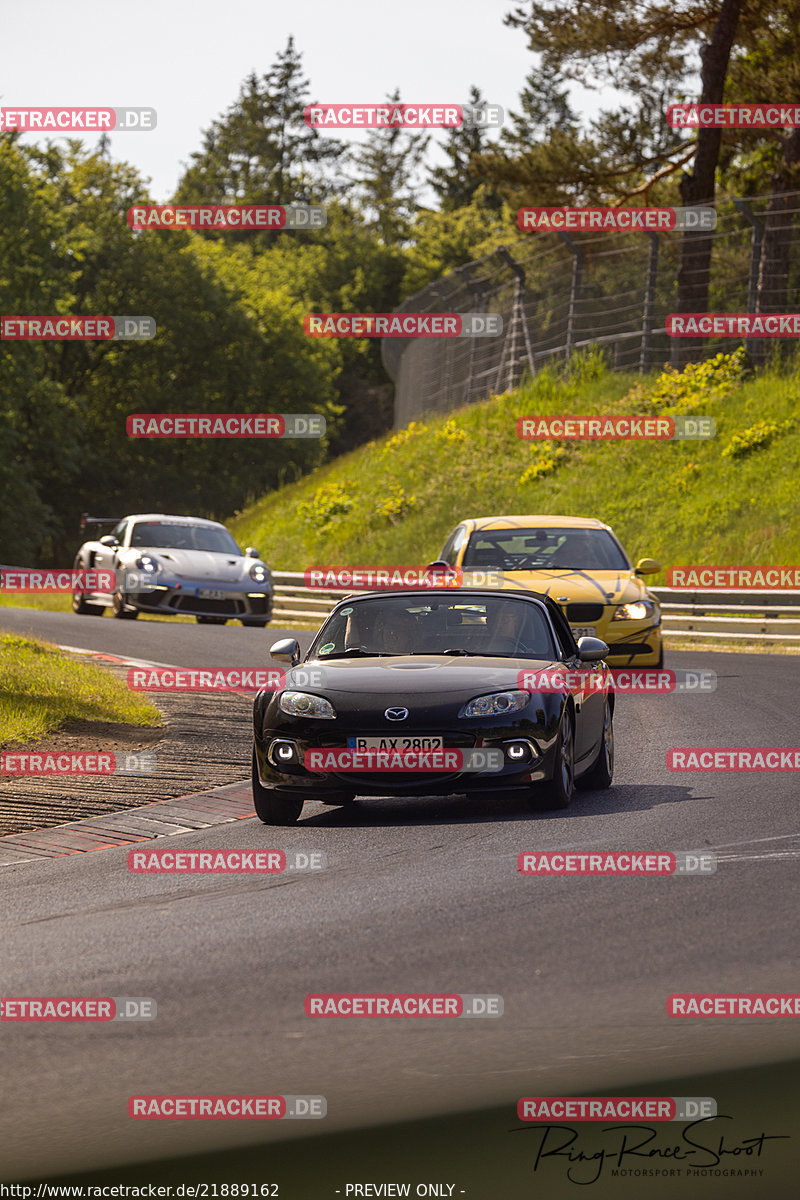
472 810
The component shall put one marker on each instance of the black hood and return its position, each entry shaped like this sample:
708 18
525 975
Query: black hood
412 675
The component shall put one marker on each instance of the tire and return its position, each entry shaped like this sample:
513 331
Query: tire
660 662
272 808
119 609
211 620
601 773
255 622
558 791
81 606
84 609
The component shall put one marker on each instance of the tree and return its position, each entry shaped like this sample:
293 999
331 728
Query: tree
261 151
386 168
40 454
768 64
457 183
631 46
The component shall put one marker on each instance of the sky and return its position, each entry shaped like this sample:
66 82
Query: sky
188 60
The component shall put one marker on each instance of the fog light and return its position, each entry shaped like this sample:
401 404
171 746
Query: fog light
283 754
519 753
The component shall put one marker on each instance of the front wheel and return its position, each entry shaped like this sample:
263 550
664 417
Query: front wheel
256 622
272 808
120 608
558 791
601 774
81 606
211 620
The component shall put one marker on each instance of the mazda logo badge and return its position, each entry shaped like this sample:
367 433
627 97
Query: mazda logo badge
396 714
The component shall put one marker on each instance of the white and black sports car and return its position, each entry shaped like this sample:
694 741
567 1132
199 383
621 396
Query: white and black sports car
175 565
424 686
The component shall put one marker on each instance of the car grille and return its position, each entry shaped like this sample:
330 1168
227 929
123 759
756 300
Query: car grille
630 648
584 612
458 741
211 608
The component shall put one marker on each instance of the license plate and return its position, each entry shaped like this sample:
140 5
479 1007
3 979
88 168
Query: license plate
579 631
401 742
210 594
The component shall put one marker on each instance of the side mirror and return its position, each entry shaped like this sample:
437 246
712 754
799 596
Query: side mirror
287 650
251 552
440 564
108 540
647 566
591 649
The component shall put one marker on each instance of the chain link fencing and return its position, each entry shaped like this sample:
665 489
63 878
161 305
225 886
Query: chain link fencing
559 293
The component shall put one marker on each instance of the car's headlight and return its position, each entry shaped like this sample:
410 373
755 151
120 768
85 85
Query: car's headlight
259 573
637 611
303 704
497 704
146 562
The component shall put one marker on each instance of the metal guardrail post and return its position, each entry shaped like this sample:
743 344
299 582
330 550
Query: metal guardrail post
649 303
756 246
574 291
518 317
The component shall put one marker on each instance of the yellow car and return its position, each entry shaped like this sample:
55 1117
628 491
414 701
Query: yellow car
579 562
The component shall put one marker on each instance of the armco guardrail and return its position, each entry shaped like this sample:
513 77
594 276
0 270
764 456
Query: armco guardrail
721 615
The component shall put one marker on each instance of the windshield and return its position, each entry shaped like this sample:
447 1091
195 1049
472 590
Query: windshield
495 627
545 549
154 535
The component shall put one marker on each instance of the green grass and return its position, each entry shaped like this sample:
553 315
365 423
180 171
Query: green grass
393 501
62 602
40 689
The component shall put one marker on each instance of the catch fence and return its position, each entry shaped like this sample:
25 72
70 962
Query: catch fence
561 292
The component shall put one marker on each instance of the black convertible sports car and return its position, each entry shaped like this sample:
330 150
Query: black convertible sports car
417 693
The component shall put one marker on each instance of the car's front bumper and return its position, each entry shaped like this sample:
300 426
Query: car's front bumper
298 780
185 599
630 643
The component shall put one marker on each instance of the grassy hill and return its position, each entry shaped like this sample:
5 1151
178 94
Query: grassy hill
732 499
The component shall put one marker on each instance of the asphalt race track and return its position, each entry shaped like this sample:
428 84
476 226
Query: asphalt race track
419 895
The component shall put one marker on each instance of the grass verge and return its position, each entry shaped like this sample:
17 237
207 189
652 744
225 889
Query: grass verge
41 689
729 499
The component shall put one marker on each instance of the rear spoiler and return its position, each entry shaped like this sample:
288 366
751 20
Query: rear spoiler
87 520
